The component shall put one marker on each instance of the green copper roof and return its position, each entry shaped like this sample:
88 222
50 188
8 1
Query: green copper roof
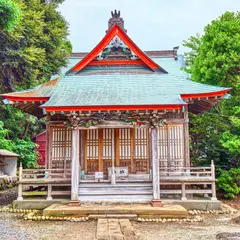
125 89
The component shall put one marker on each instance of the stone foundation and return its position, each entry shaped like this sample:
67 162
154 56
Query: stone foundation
8 195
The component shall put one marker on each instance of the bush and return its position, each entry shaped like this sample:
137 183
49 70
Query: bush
229 182
25 148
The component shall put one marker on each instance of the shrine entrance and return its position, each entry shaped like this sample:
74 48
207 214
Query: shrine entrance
125 147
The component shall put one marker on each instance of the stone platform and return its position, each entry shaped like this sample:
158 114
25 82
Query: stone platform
191 204
140 210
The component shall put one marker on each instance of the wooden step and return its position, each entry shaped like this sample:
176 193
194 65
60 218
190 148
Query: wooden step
118 216
134 189
115 198
105 185
96 193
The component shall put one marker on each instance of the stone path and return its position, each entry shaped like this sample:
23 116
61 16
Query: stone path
115 229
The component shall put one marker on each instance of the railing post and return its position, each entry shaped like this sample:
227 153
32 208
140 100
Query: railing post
184 198
49 196
20 198
214 198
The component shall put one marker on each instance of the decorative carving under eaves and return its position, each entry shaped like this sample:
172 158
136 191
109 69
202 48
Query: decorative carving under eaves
116 49
115 118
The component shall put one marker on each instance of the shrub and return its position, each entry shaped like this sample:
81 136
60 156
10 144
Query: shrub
25 148
229 182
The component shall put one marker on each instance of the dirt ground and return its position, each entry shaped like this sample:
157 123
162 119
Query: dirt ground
211 226
13 227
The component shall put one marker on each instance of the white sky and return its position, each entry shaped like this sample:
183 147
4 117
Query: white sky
151 24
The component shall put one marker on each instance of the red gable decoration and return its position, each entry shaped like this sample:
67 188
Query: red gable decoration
116 30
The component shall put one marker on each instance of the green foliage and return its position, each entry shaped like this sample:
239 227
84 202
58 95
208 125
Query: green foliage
214 59
10 14
4 143
229 182
26 149
36 49
29 54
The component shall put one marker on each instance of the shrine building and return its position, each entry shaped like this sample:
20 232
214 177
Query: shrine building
117 125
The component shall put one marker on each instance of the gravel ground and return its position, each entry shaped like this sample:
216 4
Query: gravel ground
12 227
206 230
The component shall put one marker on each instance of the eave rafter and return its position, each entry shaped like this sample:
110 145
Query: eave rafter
173 107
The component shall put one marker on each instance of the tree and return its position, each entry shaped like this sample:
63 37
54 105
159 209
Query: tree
214 59
35 49
9 14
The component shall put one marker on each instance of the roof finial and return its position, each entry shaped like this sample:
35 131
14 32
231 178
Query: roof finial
116 19
115 14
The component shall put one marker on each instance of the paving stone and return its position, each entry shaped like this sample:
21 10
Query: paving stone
127 229
115 229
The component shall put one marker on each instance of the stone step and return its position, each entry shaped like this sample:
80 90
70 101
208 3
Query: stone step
118 216
141 210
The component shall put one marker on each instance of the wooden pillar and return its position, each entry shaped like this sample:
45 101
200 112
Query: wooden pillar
85 133
20 198
117 147
214 197
48 156
156 202
132 151
82 147
186 139
75 168
100 150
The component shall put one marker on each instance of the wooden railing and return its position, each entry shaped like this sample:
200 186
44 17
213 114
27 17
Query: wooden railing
43 182
188 180
181 181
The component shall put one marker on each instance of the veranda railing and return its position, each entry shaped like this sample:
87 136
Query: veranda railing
50 180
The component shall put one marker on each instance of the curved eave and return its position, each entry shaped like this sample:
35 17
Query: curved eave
30 105
199 103
25 99
206 94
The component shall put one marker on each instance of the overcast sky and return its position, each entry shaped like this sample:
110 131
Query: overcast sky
151 24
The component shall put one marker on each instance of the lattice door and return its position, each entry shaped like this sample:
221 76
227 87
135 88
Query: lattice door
171 146
108 149
60 148
126 147
141 157
92 151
